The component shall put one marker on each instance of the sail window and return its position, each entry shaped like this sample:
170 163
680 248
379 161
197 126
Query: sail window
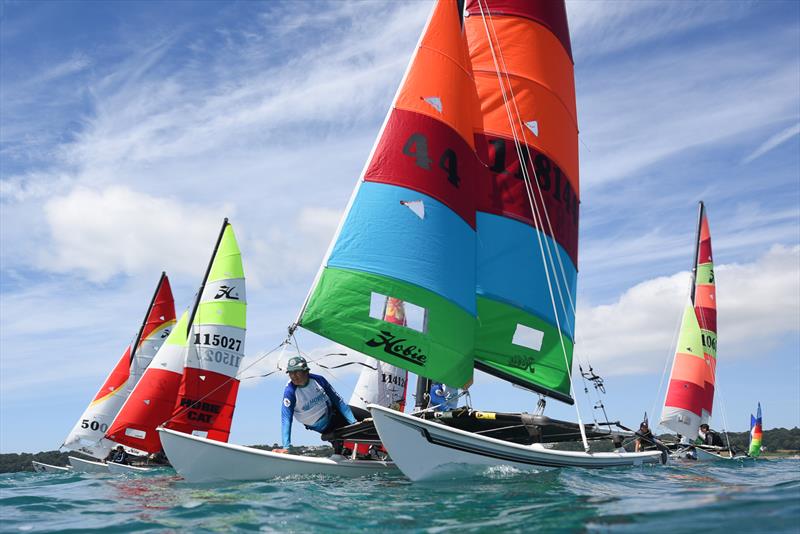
415 317
528 337
417 206
134 433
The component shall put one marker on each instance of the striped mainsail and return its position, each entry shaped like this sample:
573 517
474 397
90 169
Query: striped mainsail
756 433
690 394
409 231
215 346
527 214
88 433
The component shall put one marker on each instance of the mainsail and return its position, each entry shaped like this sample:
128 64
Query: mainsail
690 394
756 433
409 231
88 433
152 400
527 220
208 389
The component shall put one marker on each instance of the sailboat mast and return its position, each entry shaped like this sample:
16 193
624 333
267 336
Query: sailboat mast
147 314
700 211
423 386
205 279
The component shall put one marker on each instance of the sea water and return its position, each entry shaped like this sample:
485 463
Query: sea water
762 496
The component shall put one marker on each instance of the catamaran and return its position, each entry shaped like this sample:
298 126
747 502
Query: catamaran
466 212
88 434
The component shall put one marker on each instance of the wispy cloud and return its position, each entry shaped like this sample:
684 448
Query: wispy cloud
773 142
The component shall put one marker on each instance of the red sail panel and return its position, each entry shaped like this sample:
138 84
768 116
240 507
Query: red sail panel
705 307
530 46
206 401
428 142
687 386
119 375
148 406
162 310
427 155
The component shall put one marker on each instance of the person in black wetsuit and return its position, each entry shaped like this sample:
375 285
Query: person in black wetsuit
706 436
644 437
119 456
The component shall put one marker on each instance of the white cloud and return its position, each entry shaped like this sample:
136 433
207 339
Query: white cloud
758 303
117 230
773 142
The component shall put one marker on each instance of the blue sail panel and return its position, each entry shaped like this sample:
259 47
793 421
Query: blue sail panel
510 270
412 237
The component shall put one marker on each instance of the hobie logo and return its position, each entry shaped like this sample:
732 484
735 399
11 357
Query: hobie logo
225 291
394 346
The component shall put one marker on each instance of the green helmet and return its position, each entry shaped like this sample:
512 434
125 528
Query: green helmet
297 363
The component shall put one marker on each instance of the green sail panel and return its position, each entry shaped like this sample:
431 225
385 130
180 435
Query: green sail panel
522 348
339 309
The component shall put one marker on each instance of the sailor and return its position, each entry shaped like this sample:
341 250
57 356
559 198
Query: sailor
706 436
644 437
313 401
119 456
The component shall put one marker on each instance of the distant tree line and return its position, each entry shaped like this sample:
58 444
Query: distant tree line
776 439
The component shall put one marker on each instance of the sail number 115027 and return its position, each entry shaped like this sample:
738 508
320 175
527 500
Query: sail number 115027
217 340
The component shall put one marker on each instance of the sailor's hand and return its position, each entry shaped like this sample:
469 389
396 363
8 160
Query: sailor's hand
282 451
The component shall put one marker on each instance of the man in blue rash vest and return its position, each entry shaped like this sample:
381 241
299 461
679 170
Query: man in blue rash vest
313 401
443 397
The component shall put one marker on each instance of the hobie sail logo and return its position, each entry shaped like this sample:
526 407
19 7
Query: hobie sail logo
225 292
396 347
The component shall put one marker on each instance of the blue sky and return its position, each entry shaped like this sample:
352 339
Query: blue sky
130 129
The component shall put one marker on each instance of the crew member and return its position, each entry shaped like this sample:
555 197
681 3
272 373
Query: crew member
119 456
313 401
706 436
644 437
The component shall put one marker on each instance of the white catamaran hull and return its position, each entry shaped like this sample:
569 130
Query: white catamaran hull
87 466
203 460
122 469
41 467
425 449
708 456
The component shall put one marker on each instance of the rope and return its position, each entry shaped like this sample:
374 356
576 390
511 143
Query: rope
226 382
534 211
